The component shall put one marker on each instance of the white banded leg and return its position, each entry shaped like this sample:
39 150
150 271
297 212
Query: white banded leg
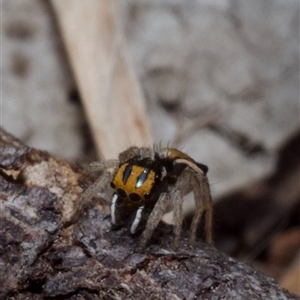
136 220
113 208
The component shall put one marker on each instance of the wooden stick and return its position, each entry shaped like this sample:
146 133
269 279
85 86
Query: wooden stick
110 92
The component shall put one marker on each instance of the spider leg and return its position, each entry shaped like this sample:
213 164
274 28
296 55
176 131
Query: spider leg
98 166
198 195
208 213
155 217
177 200
99 184
135 151
203 204
113 208
129 153
136 220
86 197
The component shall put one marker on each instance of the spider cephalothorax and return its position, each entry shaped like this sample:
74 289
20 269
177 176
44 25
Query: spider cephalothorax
148 182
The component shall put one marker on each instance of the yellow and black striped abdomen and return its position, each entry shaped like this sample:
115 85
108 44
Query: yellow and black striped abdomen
133 182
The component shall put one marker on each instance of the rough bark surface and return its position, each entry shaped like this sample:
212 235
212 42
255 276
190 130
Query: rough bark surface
42 256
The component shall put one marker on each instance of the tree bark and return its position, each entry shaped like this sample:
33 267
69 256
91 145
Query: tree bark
43 255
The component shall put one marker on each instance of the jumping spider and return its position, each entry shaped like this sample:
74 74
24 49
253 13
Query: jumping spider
147 183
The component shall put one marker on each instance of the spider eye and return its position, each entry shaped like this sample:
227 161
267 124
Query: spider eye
121 193
134 197
112 185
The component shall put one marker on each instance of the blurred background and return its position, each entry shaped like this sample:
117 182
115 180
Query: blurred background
218 79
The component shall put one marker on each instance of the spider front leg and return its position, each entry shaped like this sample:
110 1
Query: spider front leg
113 208
103 179
92 190
99 166
119 213
137 219
155 217
87 195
